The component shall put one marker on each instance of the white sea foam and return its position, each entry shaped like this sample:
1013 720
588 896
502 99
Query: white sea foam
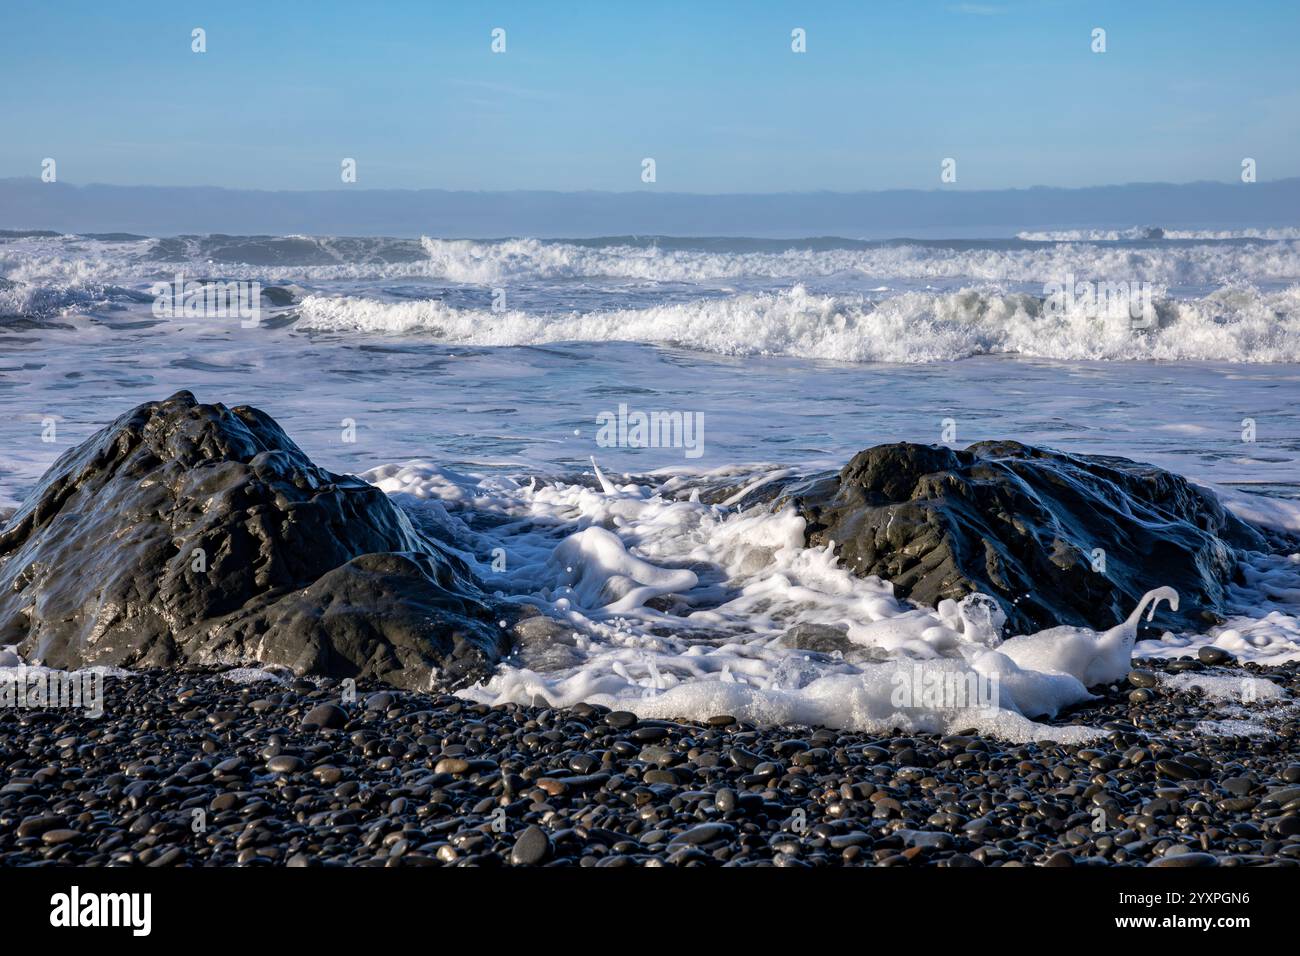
1266 511
1236 324
489 263
1264 626
1145 232
251 675
1234 688
1272 637
11 663
676 608
40 282
73 262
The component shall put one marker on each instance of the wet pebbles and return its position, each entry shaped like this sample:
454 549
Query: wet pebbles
190 769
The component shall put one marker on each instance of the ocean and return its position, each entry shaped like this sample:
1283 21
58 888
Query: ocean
496 389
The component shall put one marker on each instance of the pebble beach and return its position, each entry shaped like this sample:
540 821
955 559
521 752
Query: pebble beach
205 769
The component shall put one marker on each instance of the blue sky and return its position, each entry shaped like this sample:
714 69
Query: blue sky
710 90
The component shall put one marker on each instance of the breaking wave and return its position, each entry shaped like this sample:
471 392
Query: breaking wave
1135 233
79 261
485 263
1235 324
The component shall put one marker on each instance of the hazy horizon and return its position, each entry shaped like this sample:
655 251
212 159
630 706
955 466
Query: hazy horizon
29 204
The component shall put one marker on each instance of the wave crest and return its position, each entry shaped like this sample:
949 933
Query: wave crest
1137 233
1235 324
489 263
75 260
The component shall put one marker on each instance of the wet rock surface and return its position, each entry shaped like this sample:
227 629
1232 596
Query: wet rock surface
185 534
192 769
1054 538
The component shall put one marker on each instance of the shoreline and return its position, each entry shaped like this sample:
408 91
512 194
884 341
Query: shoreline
189 768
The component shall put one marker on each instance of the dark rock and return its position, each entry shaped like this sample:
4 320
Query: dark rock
1186 859
648 735
169 857
842 841
1175 770
192 534
1238 786
531 848
325 717
821 638
620 719
1284 795
1213 655
285 763
926 839
278 295
37 826
224 801
327 774
1287 826
703 833
1021 524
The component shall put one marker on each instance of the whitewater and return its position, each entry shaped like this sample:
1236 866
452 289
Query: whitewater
467 380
